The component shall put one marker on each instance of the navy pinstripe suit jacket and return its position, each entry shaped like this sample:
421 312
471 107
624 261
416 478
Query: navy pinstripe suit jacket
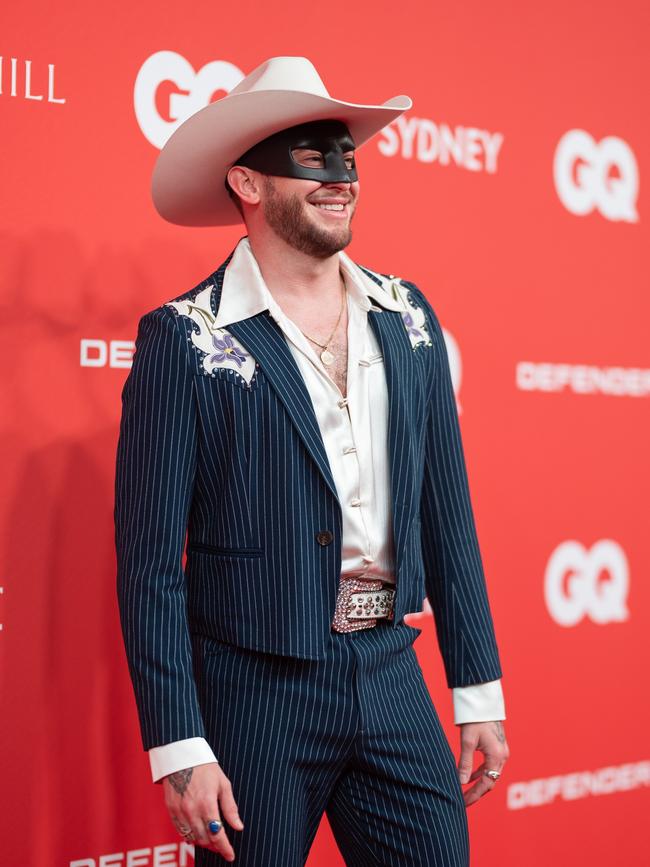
243 473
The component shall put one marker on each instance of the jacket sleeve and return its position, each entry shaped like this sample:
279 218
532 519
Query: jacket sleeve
155 468
454 580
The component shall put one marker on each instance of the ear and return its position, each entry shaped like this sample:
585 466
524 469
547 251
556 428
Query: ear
245 183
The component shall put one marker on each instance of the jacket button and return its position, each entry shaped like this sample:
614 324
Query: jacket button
324 537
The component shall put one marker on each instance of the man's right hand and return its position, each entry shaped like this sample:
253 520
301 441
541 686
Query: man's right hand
194 797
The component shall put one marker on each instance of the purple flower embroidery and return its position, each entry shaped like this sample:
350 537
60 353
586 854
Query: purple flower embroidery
226 350
408 321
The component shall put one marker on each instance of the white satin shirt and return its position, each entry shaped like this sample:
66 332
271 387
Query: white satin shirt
357 450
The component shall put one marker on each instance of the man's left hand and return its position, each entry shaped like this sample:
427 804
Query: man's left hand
490 739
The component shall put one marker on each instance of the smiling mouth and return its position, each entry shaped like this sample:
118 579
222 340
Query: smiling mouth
336 210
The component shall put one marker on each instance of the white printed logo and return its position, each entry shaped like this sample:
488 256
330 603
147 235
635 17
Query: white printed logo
579 784
193 91
575 585
583 180
164 855
469 148
94 352
21 85
582 379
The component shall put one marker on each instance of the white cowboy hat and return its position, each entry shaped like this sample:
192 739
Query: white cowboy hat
187 185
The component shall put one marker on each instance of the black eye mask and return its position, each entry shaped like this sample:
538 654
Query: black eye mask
331 138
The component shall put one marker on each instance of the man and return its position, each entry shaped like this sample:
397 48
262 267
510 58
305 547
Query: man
294 415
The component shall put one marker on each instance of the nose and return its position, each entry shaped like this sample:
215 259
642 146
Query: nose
338 185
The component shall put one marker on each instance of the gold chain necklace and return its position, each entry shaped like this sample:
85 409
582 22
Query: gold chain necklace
326 356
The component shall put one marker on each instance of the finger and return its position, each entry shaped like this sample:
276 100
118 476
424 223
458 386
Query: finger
180 824
219 841
198 828
182 828
229 808
485 784
482 787
477 773
467 748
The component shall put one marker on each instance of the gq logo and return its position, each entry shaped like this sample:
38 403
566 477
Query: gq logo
168 84
587 582
582 170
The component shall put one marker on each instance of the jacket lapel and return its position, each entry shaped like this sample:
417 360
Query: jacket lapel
389 329
265 341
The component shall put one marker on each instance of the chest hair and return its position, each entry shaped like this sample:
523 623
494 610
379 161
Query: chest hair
338 370
338 346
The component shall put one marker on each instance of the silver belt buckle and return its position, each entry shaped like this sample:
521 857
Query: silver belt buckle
373 603
360 603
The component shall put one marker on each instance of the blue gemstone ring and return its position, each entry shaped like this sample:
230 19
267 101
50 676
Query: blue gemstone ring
214 827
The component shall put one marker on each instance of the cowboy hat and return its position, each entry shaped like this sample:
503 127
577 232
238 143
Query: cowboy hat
187 185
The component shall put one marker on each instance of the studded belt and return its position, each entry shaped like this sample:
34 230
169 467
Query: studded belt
360 603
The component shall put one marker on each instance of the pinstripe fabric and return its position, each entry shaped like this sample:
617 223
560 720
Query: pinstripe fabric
454 580
355 735
242 469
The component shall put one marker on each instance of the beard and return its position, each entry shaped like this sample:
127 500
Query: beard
287 218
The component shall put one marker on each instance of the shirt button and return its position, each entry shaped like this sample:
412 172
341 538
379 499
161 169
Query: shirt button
348 450
343 402
355 502
324 537
368 558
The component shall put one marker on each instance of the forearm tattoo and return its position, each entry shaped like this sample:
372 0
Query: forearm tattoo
498 731
180 780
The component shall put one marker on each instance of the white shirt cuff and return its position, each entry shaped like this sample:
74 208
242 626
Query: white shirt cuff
480 702
179 755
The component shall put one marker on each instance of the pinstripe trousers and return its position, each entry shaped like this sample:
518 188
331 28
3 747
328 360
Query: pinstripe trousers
355 736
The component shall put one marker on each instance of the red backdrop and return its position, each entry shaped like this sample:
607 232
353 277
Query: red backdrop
512 194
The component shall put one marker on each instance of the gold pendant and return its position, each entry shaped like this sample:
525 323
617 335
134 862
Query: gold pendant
326 357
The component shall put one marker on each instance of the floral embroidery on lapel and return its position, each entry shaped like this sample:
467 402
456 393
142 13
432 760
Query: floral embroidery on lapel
414 317
217 346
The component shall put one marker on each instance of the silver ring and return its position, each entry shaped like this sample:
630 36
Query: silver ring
493 775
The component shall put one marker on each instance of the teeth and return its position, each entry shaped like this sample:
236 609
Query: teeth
331 207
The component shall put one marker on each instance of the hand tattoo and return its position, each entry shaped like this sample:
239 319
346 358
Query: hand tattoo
180 780
498 731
